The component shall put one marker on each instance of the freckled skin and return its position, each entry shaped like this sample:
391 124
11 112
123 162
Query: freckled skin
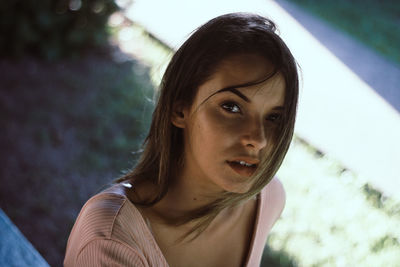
214 135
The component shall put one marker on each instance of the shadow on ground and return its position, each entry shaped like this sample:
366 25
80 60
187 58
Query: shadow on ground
68 129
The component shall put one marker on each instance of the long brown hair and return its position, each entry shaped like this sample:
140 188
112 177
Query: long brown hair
192 64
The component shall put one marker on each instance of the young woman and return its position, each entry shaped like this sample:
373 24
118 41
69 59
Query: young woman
203 192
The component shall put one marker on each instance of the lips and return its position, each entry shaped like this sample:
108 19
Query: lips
244 166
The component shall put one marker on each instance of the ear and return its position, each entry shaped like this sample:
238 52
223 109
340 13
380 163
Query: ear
179 115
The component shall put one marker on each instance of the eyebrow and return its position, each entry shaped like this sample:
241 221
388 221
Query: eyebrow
245 98
278 108
235 91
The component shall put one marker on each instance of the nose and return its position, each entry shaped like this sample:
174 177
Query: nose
254 135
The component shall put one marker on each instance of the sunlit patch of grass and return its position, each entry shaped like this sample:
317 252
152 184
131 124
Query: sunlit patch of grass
331 217
384 242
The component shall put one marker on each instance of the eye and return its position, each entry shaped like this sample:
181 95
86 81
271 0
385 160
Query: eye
274 117
231 107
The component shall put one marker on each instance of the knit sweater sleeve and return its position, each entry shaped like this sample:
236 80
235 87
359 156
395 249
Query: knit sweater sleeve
108 252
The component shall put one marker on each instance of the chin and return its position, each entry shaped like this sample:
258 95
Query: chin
239 188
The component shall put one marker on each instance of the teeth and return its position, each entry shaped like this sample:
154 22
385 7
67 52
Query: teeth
243 163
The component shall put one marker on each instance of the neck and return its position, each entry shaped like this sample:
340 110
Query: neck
185 194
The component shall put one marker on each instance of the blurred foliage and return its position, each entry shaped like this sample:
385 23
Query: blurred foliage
373 196
52 29
375 23
68 129
274 258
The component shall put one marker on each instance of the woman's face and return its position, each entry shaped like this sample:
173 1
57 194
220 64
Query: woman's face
227 132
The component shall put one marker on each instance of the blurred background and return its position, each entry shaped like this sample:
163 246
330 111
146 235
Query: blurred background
77 79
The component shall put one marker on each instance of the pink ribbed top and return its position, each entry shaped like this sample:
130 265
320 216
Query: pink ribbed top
110 231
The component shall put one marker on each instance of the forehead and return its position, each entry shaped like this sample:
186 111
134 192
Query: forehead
243 69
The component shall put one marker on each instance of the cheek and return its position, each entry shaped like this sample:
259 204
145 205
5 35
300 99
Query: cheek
213 131
221 126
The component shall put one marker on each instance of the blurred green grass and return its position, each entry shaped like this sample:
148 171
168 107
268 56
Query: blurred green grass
330 218
374 23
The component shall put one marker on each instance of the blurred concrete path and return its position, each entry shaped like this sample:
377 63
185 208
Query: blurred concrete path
379 73
339 113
